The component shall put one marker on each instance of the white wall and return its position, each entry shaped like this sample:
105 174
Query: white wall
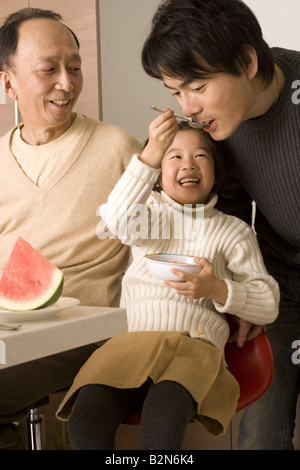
127 91
279 20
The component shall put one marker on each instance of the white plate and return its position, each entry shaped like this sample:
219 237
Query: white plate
39 314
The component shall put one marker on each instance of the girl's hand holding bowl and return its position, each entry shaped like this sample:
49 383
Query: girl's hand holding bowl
162 265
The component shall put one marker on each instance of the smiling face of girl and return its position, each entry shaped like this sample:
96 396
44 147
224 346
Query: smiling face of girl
188 168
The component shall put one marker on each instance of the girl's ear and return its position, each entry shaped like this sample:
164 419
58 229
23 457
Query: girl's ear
6 84
157 186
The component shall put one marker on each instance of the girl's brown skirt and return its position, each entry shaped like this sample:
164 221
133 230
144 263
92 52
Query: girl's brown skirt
128 360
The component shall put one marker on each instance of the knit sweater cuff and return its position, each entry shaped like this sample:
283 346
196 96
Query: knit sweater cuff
236 298
142 171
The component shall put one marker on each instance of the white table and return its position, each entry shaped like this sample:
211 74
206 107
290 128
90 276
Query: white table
68 329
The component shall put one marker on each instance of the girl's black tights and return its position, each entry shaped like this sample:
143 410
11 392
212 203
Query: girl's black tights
167 407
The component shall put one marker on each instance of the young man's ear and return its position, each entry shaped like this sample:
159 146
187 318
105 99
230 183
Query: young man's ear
251 67
6 84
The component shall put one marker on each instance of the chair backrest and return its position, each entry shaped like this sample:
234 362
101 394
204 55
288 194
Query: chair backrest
252 366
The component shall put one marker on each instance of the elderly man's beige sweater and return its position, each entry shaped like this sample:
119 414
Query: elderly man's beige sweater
59 218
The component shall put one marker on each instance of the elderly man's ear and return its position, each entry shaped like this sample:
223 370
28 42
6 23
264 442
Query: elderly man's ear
6 84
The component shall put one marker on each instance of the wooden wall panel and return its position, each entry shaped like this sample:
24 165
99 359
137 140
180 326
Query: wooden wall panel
7 106
82 18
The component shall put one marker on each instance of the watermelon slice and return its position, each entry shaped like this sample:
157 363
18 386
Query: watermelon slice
29 281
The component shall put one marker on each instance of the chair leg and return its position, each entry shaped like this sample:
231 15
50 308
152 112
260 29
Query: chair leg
34 430
231 437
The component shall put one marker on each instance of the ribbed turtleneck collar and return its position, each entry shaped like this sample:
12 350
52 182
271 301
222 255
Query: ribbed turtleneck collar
209 208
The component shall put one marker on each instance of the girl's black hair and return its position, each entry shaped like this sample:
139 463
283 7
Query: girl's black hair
9 31
191 39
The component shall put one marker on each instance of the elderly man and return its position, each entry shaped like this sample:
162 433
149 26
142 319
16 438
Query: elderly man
56 168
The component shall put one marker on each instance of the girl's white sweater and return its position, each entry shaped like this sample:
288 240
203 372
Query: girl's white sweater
134 213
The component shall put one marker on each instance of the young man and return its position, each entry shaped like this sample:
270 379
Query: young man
212 57
56 168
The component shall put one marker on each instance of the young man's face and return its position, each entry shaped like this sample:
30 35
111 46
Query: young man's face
223 100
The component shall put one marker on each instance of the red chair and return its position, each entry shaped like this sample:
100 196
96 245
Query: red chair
252 366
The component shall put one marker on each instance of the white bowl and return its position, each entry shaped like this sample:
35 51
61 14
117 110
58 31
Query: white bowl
160 265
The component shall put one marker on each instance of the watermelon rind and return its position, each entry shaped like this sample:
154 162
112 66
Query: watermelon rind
55 296
48 298
29 281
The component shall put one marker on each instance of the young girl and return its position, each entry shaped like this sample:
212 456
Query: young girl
171 361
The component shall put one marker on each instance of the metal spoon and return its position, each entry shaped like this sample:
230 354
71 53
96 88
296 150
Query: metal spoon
9 326
190 121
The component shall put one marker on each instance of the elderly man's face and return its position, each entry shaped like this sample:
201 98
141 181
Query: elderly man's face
46 76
